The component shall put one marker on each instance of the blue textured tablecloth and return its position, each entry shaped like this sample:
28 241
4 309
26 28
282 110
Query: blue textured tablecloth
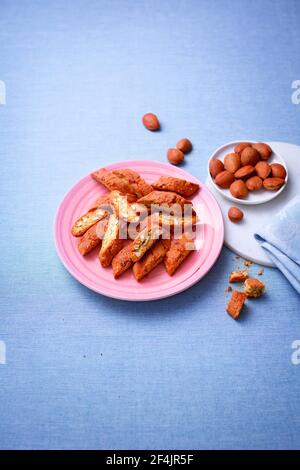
84 371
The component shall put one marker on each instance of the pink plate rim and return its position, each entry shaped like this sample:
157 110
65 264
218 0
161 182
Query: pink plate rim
192 279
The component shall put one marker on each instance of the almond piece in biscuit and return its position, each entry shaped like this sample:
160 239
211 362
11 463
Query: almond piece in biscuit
236 304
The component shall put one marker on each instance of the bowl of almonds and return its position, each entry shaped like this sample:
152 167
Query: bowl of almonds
248 172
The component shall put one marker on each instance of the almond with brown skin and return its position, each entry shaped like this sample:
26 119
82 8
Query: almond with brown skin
249 156
278 170
151 122
240 147
254 183
215 167
239 189
175 156
244 172
184 145
273 184
264 150
263 169
235 214
224 179
232 162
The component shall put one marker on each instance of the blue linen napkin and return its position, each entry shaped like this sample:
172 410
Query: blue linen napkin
281 240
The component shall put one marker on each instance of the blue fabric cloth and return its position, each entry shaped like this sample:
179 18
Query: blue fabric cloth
281 240
85 371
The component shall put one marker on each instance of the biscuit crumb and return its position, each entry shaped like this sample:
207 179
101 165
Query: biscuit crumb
261 272
228 289
247 263
238 276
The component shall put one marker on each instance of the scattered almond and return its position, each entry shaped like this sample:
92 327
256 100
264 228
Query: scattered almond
235 215
151 122
184 145
175 156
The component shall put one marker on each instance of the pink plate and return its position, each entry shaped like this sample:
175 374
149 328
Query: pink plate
158 284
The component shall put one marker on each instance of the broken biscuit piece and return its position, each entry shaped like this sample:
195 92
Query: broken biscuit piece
176 185
236 304
253 287
111 243
163 198
151 259
92 237
122 261
238 276
177 253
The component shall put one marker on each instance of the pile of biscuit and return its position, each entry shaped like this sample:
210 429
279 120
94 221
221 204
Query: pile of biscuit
127 207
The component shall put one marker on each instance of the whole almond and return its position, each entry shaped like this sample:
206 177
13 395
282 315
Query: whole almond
264 150
240 147
232 162
273 184
175 156
244 172
249 156
254 183
278 170
224 179
151 122
185 145
238 189
235 214
263 169
215 167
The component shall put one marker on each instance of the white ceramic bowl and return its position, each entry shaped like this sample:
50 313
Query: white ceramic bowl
254 197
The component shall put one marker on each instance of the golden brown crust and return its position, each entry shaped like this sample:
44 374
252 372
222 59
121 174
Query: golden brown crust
139 186
179 250
111 243
122 261
92 237
163 198
238 276
176 185
236 304
87 220
124 180
152 259
253 287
